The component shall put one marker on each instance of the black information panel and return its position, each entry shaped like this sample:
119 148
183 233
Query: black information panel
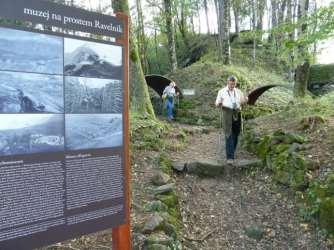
61 137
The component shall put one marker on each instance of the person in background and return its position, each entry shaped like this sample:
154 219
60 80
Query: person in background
230 99
169 94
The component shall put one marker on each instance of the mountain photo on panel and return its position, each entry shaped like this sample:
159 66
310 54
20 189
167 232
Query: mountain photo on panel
91 131
31 133
30 52
89 59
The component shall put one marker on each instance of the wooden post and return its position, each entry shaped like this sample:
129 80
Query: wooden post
121 236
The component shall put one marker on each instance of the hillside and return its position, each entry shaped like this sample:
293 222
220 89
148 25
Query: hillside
207 76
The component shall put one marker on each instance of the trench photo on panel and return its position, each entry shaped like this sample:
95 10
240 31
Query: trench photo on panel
93 95
30 93
30 52
89 131
31 133
89 59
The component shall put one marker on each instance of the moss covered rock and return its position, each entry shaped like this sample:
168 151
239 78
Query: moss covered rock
159 238
165 163
155 206
170 199
320 75
326 214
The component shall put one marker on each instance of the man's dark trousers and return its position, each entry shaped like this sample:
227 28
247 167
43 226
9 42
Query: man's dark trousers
231 141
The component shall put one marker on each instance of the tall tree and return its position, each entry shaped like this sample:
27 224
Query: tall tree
142 45
224 30
254 27
282 7
290 35
236 6
274 13
302 71
139 97
182 21
261 6
207 15
170 32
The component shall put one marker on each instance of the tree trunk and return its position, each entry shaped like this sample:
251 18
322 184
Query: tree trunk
260 13
273 13
192 23
139 97
170 34
282 8
315 45
273 3
303 6
224 34
183 26
199 16
236 12
217 15
301 79
254 18
156 49
141 37
206 15
289 20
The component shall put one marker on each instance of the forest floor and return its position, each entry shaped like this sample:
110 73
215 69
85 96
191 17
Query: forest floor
240 210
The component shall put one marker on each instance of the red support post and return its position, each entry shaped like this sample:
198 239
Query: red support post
121 236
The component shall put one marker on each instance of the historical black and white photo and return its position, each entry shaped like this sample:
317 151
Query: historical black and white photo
92 95
30 52
91 131
31 133
30 93
89 59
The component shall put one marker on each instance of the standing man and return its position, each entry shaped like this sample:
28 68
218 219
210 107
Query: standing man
169 93
230 100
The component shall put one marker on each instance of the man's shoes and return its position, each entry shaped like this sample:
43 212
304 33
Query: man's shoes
229 161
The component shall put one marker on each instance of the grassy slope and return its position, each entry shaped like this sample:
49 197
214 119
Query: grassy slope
208 76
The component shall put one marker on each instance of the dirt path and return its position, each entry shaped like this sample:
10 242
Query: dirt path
217 212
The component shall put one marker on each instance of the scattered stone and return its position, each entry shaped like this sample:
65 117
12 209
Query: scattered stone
138 241
154 222
255 232
295 147
155 206
170 230
165 189
205 168
178 166
158 247
159 238
170 199
160 178
248 163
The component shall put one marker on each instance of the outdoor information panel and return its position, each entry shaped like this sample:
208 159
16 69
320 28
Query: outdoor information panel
63 126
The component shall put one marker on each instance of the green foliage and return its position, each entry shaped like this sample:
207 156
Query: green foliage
322 73
281 154
319 26
164 163
146 132
134 55
260 109
319 203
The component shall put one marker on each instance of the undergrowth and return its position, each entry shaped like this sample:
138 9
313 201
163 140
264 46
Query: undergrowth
282 139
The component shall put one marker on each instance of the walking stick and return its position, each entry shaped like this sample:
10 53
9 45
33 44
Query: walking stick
220 136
